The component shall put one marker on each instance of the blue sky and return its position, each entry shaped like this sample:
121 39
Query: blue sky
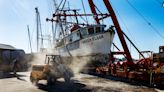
16 14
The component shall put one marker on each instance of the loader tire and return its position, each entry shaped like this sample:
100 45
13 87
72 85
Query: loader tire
51 80
34 81
67 77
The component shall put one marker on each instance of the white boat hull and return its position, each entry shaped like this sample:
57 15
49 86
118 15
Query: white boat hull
99 43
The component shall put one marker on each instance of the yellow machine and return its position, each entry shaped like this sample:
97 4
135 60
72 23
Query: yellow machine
50 71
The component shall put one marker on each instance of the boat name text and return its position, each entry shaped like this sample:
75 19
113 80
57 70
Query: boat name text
93 39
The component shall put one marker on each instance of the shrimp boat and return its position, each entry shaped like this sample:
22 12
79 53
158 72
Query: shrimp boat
85 41
82 39
79 37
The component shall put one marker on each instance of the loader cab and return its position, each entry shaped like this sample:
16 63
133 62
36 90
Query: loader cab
51 59
159 57
161 49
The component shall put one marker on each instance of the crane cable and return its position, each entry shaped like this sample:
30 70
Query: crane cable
154 28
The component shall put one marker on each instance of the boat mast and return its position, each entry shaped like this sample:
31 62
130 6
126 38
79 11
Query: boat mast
92 6
29 37
38 30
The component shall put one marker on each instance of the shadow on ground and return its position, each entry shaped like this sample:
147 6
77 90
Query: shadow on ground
64 87
131 82
10 75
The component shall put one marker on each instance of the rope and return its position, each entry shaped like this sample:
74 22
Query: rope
154 29
84 11
57 7
83 19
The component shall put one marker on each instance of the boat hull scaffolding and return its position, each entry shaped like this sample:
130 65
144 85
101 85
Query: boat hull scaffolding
96 44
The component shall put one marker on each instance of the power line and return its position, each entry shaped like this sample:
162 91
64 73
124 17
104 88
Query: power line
158 1
153 27
126 27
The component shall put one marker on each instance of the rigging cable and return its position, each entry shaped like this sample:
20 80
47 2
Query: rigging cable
62 29
126 27
71 18
158 1
127 30
57 7
56 11
154 29
84 11
83 19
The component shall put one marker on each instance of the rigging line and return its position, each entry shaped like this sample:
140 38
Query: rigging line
155 30
83 19
57 7
60 24
63 31
159 1
126 27
99 11
133 44
61 11
84 11
40 29
68 9
71 18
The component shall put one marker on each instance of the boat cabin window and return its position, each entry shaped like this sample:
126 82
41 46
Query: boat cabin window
68 39
91 30
78 33
76 36
98 29
73 37
83 31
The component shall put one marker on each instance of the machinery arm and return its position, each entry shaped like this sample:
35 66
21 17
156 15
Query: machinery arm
118 29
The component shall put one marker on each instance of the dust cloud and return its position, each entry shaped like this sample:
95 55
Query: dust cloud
35 59
74 65
38 58
85 63
78 63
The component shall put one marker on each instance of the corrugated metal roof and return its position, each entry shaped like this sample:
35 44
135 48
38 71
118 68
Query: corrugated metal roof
5 46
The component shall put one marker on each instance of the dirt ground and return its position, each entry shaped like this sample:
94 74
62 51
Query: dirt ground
79 83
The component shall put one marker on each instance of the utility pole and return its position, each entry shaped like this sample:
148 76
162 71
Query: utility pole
29 37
